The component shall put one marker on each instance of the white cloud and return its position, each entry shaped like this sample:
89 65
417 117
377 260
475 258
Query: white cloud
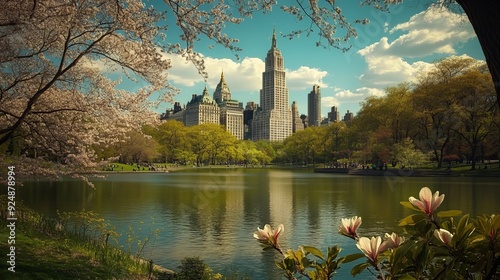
434 31
304 78
329 101
242 76
182 72
350 97
367 92
347 94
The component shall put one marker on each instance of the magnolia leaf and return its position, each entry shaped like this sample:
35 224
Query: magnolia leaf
333 252
476 239
408 205
359 268
407 277
305 262
495 220
464 221
353 257
411 220
313 250
449 213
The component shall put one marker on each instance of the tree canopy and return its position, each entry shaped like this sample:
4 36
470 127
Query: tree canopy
56 102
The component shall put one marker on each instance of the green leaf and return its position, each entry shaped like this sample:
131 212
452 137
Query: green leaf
333 252
359 268
313 250
449 213
411 220
408 205
353 257
462 223
407 277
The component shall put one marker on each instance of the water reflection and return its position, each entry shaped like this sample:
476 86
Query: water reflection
213 213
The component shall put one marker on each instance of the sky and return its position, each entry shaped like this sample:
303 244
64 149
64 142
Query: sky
393 48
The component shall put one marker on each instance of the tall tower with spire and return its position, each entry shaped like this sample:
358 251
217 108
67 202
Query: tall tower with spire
273 119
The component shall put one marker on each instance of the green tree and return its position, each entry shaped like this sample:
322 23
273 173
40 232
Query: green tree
407 155
137 148
249 154
475 110
384 121
433 98
305 146
171 135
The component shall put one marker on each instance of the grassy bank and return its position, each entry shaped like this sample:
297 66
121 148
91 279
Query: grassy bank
77 246
42 257
82 245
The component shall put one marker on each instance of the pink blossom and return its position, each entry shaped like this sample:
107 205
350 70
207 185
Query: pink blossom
350 226
267 235
428 203
443 235
371 247
393 240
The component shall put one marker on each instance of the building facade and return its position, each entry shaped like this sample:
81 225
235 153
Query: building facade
297 124
314 106
222 92
273 119
201 109
348 117
231 111
248 114
333 115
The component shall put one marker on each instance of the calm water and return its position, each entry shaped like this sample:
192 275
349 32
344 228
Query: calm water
212 213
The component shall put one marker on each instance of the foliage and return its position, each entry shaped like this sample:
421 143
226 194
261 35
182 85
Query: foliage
57 103
434 245
194 269
53 96
407 156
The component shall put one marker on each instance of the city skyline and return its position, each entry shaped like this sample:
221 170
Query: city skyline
394 48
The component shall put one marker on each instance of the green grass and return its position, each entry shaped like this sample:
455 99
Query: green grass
74 247
42 257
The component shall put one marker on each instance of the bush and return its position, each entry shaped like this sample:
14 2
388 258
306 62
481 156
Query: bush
194 269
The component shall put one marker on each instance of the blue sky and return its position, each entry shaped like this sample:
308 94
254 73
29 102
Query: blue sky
394 48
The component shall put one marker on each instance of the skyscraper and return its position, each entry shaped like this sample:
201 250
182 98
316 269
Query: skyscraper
333 115
348 117
314 106
273 119
297 124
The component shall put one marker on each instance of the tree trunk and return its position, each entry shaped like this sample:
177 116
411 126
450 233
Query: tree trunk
473 156
483 15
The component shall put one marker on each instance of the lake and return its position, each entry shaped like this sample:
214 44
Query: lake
212 213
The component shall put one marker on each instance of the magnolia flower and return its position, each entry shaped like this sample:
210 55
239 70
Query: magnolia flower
428 203
371 247
393 240
350 226
443 235
269 236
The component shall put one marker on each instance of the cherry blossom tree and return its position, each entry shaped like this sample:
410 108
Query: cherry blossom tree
50 56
